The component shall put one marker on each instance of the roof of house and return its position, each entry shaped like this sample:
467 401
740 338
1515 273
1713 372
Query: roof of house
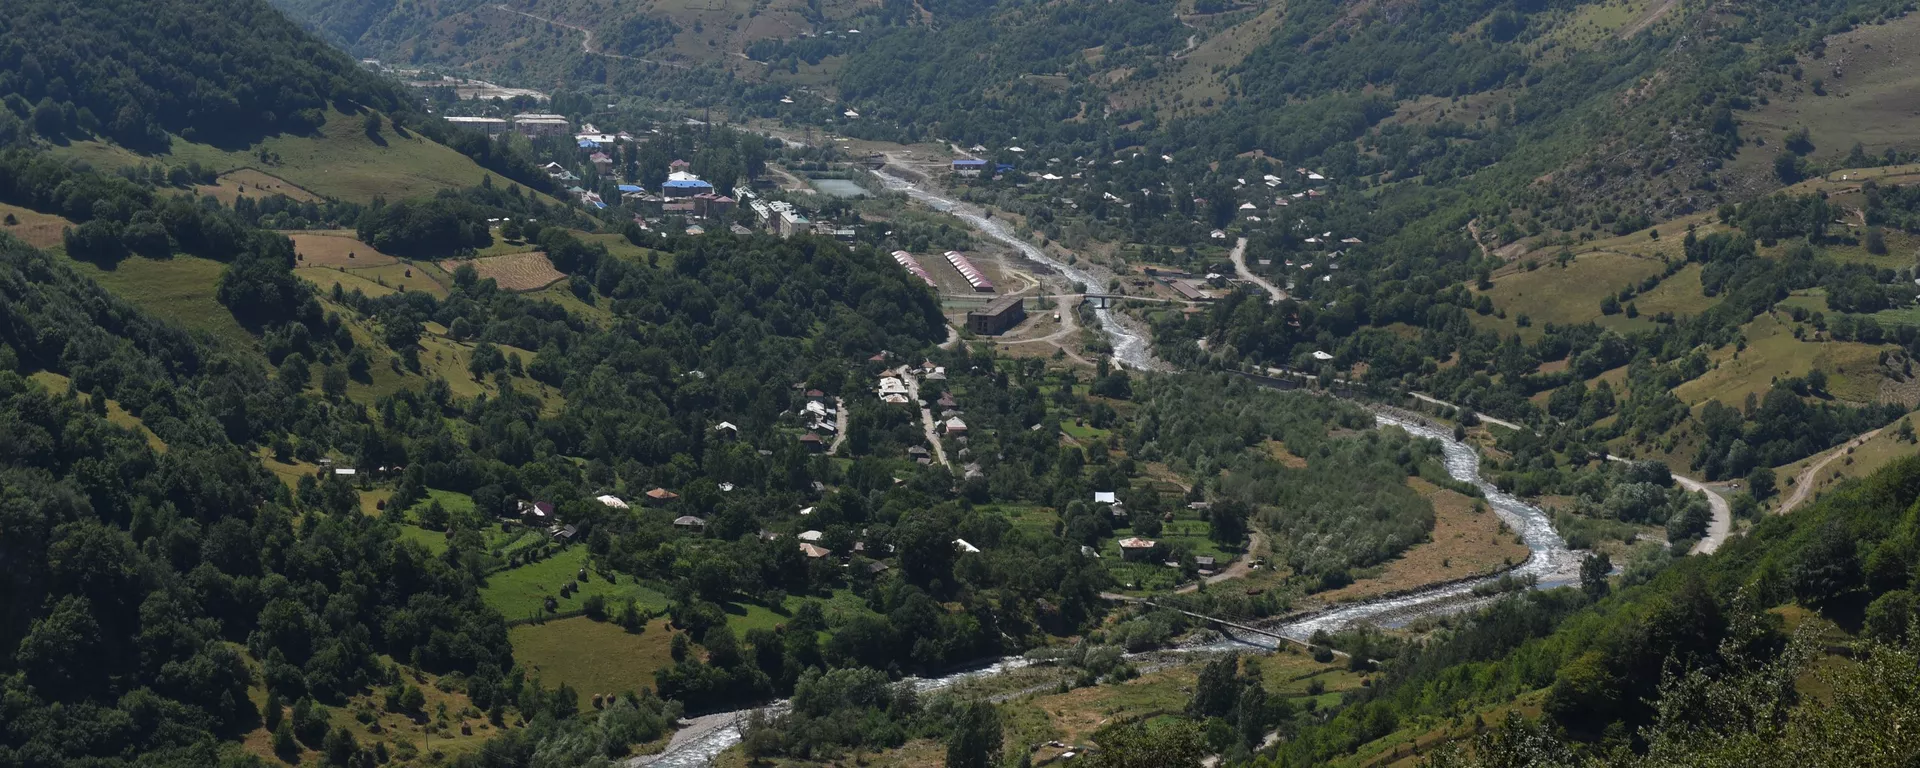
689 520
814 551
613 501
809 438
662 494
726 426
688 184
811 535
1135 542
962 545
1105 497
966 163
631 188
1203 561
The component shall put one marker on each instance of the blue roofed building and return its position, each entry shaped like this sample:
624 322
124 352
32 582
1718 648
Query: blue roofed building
675 188
626 188
968 167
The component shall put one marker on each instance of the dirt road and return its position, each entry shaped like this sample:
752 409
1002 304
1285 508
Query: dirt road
1238 570
1719 526
840 425
586 43
1239 256
926 416
1483 417
1803 483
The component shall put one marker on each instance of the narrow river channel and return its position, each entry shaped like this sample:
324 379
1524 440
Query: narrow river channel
1549 560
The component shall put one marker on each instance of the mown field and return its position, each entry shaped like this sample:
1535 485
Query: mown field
181 290
521 592
40 230
592 656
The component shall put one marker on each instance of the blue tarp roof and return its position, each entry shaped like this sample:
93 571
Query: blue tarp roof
589 144
599 205
1002 168
971 163
629 188
689 184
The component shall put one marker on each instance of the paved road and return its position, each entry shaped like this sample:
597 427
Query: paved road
1804 482
1239 256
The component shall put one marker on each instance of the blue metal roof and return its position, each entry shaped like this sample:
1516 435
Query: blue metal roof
629 188
970 163
688 184
599 205
589 144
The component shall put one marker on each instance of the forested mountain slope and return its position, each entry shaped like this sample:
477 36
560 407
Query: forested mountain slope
134 71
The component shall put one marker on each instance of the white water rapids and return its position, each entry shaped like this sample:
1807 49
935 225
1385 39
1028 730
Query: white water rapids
1550 562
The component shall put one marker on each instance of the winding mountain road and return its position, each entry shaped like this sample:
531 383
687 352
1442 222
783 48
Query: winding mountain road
1803 483
586 43
1239 256
1719 527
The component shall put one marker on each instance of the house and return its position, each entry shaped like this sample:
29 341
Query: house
917 451
806 511
690 522
812 443
1105 497
1136 548
946 401
890 385
969 167
818 409
814 552
956 427
963 546
659 496
876 567
612 501
345 471
1086 551
726 430
678 166
811 535
537 513
894 399
814 394
1205 564
563 533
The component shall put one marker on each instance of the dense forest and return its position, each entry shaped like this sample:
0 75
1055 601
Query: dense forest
133 72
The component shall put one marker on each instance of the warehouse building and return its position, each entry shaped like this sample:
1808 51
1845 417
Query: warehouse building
999 317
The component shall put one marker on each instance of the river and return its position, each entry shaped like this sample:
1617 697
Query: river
1549 561
1130 347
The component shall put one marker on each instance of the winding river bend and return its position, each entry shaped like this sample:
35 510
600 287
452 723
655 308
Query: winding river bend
1550 561
703 738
